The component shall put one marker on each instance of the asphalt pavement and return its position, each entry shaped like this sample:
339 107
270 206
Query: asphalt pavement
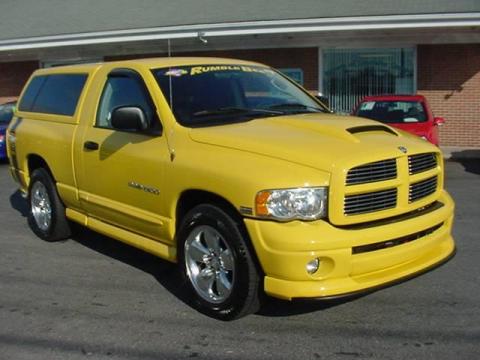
91 297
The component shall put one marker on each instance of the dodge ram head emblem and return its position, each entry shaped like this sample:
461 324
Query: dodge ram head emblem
403 149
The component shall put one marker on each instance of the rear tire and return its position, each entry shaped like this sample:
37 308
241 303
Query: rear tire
46 215
216 263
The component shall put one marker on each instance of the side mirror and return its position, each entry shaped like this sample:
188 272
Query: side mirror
438 121
129 118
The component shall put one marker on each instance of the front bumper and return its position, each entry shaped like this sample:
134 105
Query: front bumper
348 262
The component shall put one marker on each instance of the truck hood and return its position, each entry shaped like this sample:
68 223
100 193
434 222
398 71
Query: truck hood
321 141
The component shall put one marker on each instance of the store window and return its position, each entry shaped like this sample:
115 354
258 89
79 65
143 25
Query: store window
296 74
351 74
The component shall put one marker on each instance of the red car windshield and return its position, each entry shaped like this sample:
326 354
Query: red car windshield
391 112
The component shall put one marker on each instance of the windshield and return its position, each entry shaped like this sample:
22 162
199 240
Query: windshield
6 113
220 94
393 111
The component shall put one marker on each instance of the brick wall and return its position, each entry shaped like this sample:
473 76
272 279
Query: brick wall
304 58
12 78
449 76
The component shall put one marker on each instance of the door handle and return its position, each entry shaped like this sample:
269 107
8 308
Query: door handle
90 145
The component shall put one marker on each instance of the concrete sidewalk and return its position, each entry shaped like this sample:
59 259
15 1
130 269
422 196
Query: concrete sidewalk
460 153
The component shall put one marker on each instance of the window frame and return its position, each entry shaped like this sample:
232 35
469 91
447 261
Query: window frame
135 76
45 78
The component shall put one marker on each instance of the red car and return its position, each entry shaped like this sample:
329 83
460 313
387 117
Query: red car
406 112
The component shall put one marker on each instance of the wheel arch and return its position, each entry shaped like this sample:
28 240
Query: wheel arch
193 197
34 162
56 225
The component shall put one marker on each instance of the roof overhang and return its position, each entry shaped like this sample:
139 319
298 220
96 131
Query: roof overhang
298 26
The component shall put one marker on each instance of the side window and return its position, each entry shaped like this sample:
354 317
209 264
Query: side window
124 91
53 94
31 93
59 94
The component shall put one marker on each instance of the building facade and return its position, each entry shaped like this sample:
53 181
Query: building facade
345 50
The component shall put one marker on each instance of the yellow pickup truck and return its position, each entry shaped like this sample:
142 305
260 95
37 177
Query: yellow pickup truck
235 172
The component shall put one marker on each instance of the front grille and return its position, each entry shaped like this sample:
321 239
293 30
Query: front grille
422 189
421 162
372 172
380 186
370 202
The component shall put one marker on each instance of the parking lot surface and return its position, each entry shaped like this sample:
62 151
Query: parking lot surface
93 297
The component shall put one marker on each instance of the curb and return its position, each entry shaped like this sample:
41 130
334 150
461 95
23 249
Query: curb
460 153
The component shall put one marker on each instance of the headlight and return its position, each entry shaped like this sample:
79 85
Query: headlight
290 204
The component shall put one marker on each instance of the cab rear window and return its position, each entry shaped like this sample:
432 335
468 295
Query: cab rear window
53 94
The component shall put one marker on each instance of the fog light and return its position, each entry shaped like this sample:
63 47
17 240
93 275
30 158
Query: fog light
312 266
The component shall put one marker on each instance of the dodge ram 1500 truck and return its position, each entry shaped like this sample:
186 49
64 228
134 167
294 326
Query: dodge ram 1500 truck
233 171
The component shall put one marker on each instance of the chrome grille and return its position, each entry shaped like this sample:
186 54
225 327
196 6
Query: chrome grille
422 189
421 162
372 172
370 202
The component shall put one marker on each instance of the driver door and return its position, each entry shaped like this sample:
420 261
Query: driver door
123 172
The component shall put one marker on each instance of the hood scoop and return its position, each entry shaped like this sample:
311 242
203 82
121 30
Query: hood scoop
370 128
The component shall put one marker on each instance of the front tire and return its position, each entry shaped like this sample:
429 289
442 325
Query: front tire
217 265
47 213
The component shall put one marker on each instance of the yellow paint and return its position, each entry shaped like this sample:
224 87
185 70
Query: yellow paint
236 162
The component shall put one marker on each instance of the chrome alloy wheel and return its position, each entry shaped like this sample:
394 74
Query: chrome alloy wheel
210 264
41 206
